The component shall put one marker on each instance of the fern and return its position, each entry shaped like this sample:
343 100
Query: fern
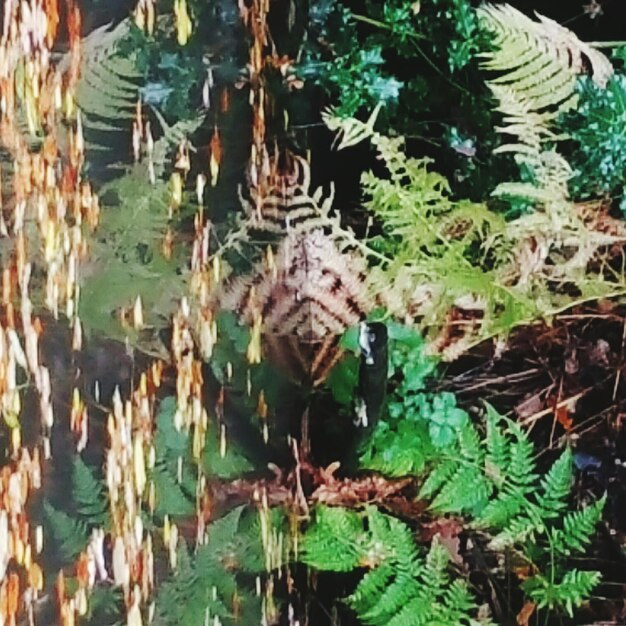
573 589
174 497
70 534
539 63
556 486
107 90
105 606
89 495
435 248
88 508
578 529
493 479
336 541
206 583
187 596
127 260
402 586
439 257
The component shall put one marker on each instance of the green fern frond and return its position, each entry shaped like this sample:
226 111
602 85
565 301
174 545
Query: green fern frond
470 444
518 530
571 592
497 454
437 477
501 510
402 588
521 470
578 528
108 86
436 567
458 600
335 541
395 536
206 583
187 596
170 496
69 534
89 494
556 486
416 612
371 587
465 492
394 597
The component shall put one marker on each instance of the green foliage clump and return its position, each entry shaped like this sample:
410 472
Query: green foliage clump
489 475
402 585
419 423
347 63
440 42
439 253
596 125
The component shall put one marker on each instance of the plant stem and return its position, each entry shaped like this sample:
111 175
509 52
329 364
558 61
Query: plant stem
378 24
606 44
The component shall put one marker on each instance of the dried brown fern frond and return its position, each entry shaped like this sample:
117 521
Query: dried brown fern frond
306 298
312 291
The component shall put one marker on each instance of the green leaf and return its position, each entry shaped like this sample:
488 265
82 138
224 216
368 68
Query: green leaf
343 378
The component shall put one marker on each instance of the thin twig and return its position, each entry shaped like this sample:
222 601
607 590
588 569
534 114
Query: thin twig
531 419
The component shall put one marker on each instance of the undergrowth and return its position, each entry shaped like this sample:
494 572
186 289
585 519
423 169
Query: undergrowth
485 471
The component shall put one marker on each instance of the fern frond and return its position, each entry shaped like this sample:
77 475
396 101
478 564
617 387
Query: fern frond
89 495
497 455
70 535
459 482
458 601
395 536
556 486
205 584
188 594
170 496
417 612
521 471
350 131
578 528
541 59
518 530
501 510
540 62
571 592
437 477
335 541
435 568
402 587
470 445
393 599
465 492
371 587
108 86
